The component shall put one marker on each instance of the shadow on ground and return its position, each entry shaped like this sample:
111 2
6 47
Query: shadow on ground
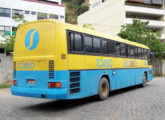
62 105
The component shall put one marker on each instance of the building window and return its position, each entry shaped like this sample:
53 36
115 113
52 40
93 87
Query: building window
41 16
4 30
33 13
14 29
53 16
17 13
61 16
5 12
27 12
2 50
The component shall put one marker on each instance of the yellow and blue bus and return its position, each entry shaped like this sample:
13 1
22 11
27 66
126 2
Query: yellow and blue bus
56 60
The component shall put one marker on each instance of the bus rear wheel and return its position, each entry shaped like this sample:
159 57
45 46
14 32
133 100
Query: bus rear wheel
144 80
103 89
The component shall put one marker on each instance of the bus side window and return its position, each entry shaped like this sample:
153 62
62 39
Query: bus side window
149 57
136 52
132 51
117 49
127 50
78 42
142 53
145 54
104 46
96 45
139 53
88 43
111 47
71 41
123 50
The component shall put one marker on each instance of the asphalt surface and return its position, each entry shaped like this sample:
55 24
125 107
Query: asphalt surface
135 103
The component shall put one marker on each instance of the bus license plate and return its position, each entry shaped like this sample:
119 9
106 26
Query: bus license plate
31 81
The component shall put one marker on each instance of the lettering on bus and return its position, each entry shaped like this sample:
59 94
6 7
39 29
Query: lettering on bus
27 65
104 63
130 63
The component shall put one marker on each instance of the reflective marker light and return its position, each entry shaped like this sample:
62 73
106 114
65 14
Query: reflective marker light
14 82
54 84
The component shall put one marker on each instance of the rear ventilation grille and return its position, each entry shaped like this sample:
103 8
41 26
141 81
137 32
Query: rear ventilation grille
74 82
14 69
51 69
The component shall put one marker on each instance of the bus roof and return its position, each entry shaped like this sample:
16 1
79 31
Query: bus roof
88 31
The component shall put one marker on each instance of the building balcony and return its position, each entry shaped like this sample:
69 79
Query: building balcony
154 2
144 10
152 23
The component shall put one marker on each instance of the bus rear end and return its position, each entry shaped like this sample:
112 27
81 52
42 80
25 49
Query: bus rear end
35 60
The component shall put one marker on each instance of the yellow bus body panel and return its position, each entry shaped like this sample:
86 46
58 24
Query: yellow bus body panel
53 38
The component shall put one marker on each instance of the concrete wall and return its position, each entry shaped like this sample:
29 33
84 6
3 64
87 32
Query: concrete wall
6 68
158 67
106 17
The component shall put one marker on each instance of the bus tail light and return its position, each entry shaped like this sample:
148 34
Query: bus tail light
14 82
54 84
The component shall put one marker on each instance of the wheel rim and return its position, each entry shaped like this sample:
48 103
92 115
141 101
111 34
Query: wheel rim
104 89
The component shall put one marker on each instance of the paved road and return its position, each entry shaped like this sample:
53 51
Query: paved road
133 103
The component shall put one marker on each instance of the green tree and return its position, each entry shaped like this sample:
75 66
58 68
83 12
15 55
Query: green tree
73 9
82 9
138 32
88 26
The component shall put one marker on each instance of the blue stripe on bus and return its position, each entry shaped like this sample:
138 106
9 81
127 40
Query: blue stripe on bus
89 81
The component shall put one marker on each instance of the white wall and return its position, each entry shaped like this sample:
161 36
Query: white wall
107 17
29 6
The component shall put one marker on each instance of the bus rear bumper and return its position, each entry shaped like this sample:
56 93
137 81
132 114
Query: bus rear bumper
40 93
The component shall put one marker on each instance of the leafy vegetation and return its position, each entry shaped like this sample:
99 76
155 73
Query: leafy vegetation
138 32
88 26
74 8
6 85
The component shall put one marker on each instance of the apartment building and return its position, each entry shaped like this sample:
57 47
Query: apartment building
108 15
30 10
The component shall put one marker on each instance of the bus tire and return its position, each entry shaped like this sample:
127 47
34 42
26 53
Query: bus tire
103 89
144 83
